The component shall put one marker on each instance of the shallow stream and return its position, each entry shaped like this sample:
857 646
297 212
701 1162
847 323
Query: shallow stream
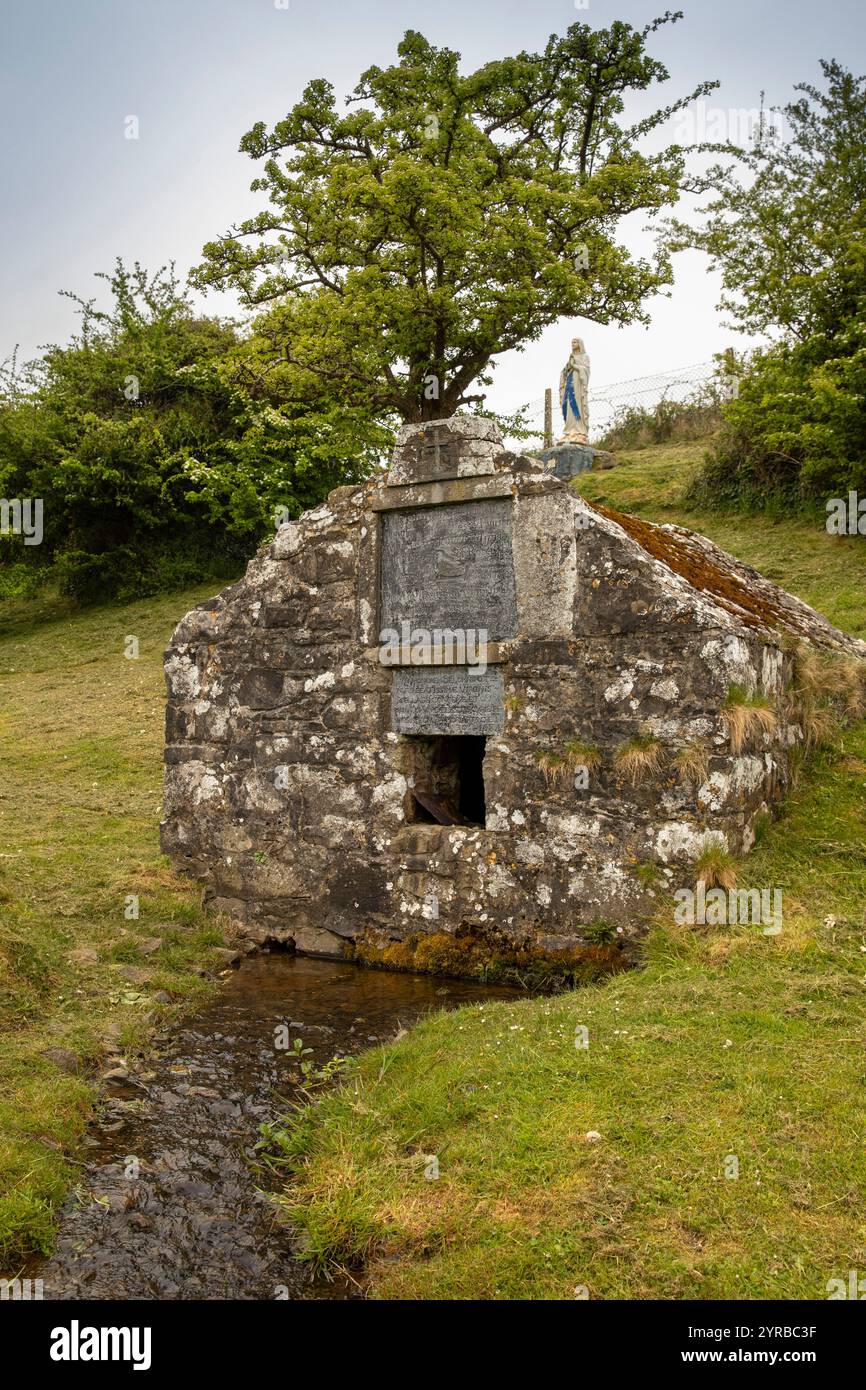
168 1204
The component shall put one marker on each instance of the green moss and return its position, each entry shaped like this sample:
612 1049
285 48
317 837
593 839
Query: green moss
599 932
739 697
475 954
649 873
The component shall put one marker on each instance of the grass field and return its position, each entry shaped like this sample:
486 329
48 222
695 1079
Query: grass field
81 728
724 1080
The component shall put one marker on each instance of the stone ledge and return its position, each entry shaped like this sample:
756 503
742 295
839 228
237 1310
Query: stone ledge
409 495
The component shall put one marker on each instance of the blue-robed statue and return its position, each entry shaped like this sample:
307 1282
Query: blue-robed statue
574 393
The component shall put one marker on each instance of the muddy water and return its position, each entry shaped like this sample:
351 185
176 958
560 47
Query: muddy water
168 1205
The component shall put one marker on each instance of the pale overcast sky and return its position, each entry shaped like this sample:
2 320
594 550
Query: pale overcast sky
198 73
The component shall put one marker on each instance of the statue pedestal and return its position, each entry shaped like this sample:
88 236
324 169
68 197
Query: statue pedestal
567 460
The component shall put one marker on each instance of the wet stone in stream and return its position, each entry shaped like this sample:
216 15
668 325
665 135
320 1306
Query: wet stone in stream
167 1205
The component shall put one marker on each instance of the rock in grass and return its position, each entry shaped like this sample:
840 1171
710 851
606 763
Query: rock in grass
63 1059
148 945
225 955
134 973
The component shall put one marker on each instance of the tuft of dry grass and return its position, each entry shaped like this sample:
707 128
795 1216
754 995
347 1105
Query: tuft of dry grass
747 715
850 686
639 759
716 867
811 674
552 764
829 678
827 690
693 762
579 754
819 723
561 767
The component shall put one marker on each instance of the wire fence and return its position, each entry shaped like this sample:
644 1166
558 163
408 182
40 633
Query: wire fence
610 405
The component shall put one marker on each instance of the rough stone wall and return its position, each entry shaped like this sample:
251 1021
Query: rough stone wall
287 792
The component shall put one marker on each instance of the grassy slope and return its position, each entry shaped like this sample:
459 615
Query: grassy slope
729 1042
81 730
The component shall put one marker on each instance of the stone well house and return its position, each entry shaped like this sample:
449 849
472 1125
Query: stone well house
339 765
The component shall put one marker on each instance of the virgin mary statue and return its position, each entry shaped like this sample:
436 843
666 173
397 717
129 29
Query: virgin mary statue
573 394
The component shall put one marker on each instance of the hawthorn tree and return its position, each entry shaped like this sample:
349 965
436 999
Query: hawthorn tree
441 219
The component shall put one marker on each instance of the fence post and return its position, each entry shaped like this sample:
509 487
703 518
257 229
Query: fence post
548 418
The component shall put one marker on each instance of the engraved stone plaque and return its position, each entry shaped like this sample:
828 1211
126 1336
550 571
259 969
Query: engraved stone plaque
449 567
447 700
